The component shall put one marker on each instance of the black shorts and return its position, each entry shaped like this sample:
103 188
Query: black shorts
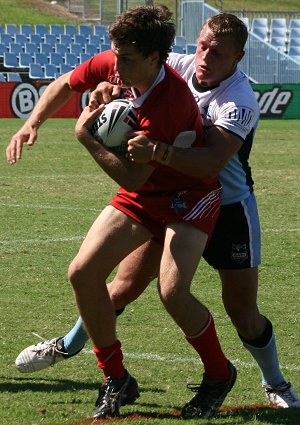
236 242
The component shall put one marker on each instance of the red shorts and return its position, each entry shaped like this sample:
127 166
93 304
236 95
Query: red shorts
154 211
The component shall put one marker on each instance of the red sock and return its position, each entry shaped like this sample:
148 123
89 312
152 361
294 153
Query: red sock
110 360
207 345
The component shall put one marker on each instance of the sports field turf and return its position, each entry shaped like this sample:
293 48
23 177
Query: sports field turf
47 203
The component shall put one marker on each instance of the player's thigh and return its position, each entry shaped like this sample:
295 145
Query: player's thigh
112 237
135 273
183 248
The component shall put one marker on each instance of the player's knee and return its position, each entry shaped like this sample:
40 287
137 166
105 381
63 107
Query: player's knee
76 274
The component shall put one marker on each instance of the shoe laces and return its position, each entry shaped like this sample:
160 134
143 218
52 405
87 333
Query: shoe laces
47 347
284 390
207 387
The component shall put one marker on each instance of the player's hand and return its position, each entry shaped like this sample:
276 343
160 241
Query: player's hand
26 135
84 123
104 93
140 148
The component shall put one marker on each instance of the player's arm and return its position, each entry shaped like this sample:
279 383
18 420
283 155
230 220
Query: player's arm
126 173
54 97
199 162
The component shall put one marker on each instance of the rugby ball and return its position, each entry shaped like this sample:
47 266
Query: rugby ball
114 123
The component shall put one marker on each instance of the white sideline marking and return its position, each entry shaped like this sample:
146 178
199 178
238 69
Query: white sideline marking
49 207
41 241
173 359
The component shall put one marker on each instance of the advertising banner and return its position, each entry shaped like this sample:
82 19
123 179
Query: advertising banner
17 100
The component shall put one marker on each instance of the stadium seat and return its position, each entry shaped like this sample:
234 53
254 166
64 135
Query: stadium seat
46 48
259 23
61 48
31 48
40 58
278 32
294 33
294 42
76 48
261 32
64 68
71 59
56 29
56 59
50 71
100 30
65 39
106 39
25 59
10 60
49 39
26 29
15 48
104 47
279 43
13 77
294 23
79 39
20 38
190 48
6 39
1 29
178 49
84 30
70 29
3 49
294 52
35 38
180 40
36 71
11 29
41 29
84 57
278 23
90 49
96 40
2 78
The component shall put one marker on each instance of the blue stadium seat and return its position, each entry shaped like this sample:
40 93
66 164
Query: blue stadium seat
13 77
71 59
100 30
259 23
294 33
25 59
261 32
65 39
70 29
26 29
50 39
50 71
104 47
40 58
46 48
2 78
79 39
178 49
294 23
20 38
180 40
35 38
61 48
96 40
279 43
10 60
84 30
6 39
90 49
31 48
278 23
3 49
36 72
56 29
64 68
84 57
76 48
12 29
41 29
294 52
56 58
190 48
15 48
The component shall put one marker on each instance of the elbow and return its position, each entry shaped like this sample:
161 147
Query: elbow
214 168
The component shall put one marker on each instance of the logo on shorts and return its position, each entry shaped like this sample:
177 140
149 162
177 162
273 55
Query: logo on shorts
239 253
178 203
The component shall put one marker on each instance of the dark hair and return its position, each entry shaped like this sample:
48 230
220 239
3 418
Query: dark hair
149 27
226 24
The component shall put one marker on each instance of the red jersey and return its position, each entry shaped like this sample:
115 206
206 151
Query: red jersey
168 114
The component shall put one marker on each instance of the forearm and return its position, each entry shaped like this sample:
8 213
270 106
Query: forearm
53 98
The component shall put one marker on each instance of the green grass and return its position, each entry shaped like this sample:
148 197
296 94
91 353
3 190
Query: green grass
47 203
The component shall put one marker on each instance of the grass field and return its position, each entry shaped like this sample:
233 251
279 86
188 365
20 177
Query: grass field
47 203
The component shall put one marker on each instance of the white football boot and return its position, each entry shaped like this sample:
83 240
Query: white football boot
40 356
282 395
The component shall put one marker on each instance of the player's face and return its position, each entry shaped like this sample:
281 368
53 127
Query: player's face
216 58
133 68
